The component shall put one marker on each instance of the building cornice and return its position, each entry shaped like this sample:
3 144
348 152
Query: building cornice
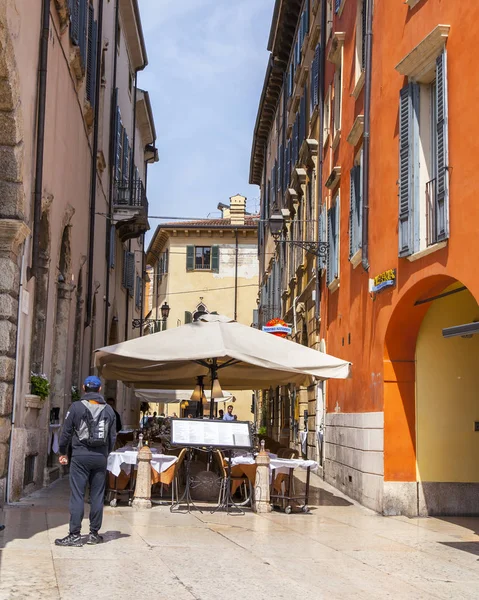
133 31
283 29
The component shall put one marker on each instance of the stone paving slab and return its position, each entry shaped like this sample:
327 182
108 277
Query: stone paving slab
340 551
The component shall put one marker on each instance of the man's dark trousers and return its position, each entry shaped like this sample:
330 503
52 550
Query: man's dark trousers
87 468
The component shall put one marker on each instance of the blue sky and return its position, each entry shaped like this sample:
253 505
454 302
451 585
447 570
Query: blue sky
207 60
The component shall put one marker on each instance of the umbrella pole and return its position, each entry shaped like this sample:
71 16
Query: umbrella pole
213 376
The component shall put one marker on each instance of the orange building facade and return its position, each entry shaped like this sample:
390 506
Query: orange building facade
394 200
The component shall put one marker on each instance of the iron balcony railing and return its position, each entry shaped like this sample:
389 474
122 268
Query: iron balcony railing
127 196
431 213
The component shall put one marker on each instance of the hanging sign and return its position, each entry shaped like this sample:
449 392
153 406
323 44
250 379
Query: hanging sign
384 280
277 327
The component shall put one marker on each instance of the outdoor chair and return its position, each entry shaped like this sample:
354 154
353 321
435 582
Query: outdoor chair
236 481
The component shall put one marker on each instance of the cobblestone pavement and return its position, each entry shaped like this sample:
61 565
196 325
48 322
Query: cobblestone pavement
339 551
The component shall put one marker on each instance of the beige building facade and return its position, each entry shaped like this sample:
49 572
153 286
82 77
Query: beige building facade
76 138
206 266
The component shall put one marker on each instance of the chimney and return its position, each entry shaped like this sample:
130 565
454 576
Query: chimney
237 209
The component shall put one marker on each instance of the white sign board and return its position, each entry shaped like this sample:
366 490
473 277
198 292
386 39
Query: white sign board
210 433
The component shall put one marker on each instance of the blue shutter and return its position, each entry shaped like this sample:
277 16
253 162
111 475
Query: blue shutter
82 31
408 132
337 5
355 213
215 259
285 168
363 34
74 7
306 18
190 258
359 201
281 168
442 174
323 235
92 55
314 81
317 54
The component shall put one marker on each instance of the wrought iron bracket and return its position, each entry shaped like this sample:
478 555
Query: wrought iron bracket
136 323
319 249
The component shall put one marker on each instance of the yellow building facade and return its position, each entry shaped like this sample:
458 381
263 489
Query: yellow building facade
206 266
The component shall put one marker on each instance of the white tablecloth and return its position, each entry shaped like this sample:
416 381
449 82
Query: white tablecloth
280 465
122 460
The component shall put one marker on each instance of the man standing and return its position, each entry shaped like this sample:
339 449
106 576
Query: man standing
90 428
111 403
229 416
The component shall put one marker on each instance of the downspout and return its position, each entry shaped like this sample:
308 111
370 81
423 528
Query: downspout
319 175
94 167
16 380
41 109
366 136
109 220
236 276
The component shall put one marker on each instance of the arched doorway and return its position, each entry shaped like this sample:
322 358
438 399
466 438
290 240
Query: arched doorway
431 403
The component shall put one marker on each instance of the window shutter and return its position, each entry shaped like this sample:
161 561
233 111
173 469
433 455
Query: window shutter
407 133
126 157
280 168
317 55
111 260
82 31
130 281
337 5
215 259
442 175
91 65
336 238
352 215
74 6
167 258
190 258
188 317
323 236
302 120
359 202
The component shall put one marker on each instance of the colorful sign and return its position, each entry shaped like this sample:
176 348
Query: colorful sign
384 280
277 327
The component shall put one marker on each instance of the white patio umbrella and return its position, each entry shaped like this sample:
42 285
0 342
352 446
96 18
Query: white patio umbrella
243 358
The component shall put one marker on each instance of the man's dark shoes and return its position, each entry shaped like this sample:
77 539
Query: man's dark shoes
72 539
94 538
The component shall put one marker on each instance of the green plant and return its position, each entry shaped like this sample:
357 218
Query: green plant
75 393
262 430
39 385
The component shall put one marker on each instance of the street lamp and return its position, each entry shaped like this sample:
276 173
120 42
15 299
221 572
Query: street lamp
276 225
165 311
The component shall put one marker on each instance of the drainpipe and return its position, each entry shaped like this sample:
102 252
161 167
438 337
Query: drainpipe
367 131
16 380
236 276
322 63
109 220
94 167
41 109
295 320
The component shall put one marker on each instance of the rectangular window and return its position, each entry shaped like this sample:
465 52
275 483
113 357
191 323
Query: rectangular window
333 240
356 206
314 82
202 258
423 162
327 117
128 280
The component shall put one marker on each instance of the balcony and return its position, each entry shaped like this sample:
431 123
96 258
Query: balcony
130 209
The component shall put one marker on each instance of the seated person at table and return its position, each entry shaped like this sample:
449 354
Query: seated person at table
119 426
229 416
221 414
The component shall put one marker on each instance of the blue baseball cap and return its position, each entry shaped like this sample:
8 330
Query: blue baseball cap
92 381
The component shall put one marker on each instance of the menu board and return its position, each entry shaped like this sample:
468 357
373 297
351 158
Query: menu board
210 433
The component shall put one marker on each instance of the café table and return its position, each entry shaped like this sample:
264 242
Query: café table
121 461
